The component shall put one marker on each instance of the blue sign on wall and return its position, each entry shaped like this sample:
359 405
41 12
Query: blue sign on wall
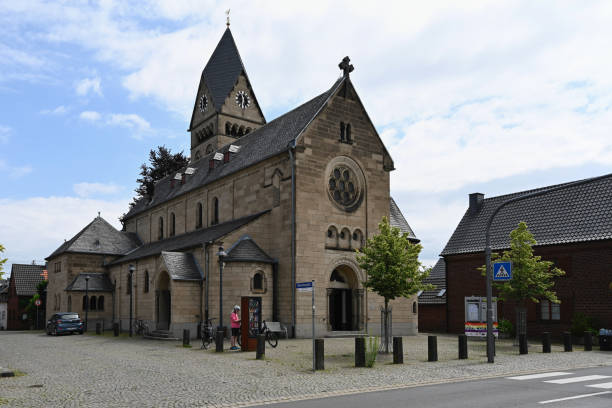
502 271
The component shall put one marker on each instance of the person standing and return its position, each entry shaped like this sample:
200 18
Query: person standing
235 319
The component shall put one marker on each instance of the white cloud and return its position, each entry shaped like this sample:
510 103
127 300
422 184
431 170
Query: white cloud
5 133
60 110
14 172
33 228
131 121
92 116
85 189
88 85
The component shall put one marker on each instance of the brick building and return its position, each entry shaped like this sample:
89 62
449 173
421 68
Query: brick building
572 227
22 286
290 200
3 304
432 303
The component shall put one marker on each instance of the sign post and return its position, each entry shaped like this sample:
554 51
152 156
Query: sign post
309 287
37 302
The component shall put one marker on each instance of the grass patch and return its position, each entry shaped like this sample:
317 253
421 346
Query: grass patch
187 346
3 401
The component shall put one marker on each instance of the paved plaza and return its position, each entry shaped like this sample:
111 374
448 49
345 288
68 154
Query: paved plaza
103 371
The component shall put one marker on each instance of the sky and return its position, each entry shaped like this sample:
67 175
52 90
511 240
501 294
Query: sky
473 96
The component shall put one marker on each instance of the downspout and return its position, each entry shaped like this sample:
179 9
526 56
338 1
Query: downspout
292 159
207 267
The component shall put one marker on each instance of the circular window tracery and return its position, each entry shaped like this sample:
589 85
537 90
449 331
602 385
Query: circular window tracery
344 186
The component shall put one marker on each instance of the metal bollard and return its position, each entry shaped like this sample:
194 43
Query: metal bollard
185 337
319 354
463 347
567 341
219 340
398 351
359 352
588 341
523 349
432 348
260 353
98 328
546 342
115 329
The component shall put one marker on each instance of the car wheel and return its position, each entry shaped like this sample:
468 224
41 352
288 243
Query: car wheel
81 332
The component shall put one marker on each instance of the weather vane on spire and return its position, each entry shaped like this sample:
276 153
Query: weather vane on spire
227 22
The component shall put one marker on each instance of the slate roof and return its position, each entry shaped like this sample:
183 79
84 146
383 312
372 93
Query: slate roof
188 240
26 277
3 291
182 266
246 250
396 219
264 142
437 277
98 282
99 237
577 213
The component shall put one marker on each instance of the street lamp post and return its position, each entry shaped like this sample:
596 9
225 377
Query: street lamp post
220 328
86 301
131 295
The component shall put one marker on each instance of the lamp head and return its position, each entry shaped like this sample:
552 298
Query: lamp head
131 268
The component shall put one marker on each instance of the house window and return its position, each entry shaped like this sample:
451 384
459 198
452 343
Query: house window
129 284
172 224
258 281
414 307
100 302
349 138
146 282
69 303
160 234
342 128
199 216
549 310
58 267
215 217
92 303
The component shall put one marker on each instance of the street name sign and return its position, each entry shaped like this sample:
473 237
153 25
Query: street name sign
502 271
303 286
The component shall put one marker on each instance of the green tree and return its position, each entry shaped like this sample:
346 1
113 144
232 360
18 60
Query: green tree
2 261
392 265
532 278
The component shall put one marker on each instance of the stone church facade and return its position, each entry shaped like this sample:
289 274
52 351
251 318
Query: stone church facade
288 200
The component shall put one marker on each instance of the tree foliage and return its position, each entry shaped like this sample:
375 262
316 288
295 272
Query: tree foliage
532 278
392 264
162 162
2 261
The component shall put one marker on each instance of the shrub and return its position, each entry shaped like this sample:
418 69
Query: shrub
582 323
506 326
371 351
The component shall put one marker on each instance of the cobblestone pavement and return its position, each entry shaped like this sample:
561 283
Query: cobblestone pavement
102 371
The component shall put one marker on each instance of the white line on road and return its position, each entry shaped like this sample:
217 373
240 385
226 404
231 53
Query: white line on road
541 375
602 385
577 379
575 397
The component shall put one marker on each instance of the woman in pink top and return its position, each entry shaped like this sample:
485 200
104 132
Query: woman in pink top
235 318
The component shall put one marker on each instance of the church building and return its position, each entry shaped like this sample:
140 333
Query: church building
260 207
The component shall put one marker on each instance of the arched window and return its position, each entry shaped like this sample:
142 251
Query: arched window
197 155
241 131
228 129
414 307
342 131
235 130
258 281
84 302
199 216
146 282
349 138
331 240
209 149
344 239
357 239
92 303
172 224
129 284
215 215
160 234
100 302
69 303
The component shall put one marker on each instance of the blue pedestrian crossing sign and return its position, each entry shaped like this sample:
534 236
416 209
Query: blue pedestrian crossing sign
502 271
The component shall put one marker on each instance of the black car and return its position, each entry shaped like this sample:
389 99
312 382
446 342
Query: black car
61 323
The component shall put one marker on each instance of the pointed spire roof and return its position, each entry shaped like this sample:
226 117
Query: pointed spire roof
223 69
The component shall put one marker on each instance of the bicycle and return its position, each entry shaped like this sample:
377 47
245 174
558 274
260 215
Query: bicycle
207 333
141 328
271 337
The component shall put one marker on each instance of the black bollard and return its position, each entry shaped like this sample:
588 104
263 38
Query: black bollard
260 353
398 351
359 352
319 355
546 342
432 348
185 337
463 348
115 329
588 341
523 349
219 340
567 341
98 328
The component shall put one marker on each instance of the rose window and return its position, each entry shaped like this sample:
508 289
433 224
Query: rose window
343 186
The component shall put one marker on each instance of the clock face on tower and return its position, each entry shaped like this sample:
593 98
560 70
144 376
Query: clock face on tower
242 99
203 103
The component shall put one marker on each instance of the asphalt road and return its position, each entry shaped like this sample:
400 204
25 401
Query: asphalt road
590 387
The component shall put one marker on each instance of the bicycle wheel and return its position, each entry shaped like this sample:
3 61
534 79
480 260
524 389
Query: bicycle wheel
272 339
239 338
206 341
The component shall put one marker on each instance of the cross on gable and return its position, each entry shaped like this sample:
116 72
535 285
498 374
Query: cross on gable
346 66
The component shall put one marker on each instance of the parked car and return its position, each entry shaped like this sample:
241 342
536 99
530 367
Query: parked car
61 323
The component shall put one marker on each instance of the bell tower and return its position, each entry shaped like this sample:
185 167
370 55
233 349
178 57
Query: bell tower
225 107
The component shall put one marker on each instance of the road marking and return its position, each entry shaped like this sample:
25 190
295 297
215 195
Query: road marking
602 385
541 375
575 397
577 379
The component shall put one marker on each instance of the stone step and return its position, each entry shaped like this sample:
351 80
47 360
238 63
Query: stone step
345 334
153 337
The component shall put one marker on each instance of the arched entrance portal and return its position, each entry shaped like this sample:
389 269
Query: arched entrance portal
344 300
163 302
